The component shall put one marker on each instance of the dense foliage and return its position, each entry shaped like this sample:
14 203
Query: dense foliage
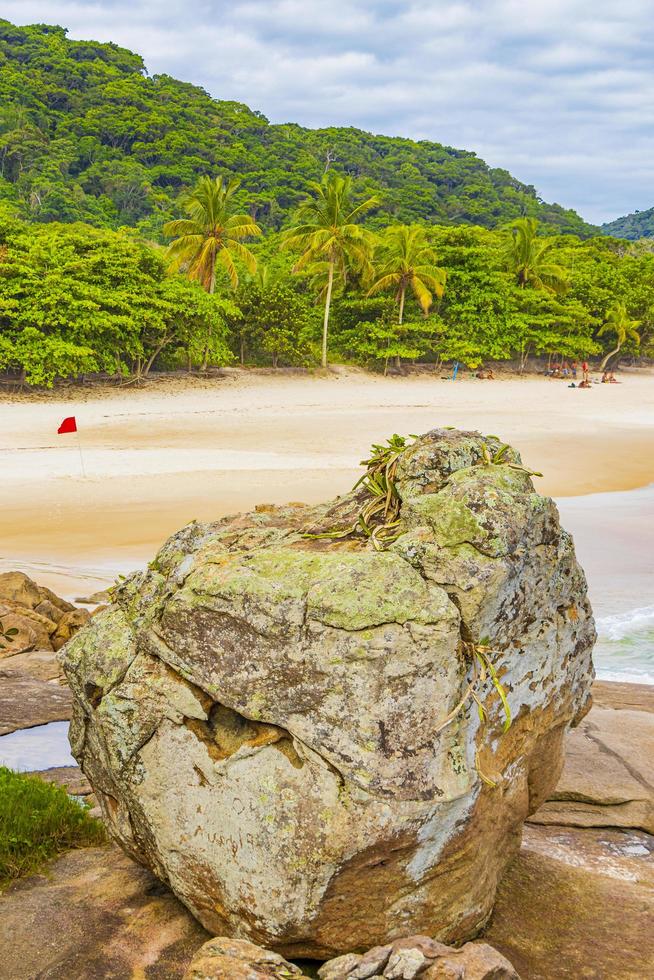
640 224
87 135
76 299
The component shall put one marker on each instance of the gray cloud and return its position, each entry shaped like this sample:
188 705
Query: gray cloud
559 92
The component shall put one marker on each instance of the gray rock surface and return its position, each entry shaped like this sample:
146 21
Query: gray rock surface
270 721
26 702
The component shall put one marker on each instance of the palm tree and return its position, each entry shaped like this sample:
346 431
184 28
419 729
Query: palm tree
327 232
211 236
618 323
407 261
527 257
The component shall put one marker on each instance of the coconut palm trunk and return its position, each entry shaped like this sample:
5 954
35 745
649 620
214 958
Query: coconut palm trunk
211 290
609 356
400 321
327 235
325 322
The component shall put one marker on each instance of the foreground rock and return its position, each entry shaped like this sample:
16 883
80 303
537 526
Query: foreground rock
608 776
406 959
273 723
235 959
574 903
95 914
33 617
422 957
578 903
26 702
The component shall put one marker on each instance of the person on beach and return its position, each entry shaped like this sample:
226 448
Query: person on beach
573 368
584 371
565 369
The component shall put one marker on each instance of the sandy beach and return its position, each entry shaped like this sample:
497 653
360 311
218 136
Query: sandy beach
157 457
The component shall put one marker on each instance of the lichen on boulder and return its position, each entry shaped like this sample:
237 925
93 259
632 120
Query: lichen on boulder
275 721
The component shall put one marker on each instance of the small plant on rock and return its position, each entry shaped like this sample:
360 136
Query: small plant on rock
379 516
7 634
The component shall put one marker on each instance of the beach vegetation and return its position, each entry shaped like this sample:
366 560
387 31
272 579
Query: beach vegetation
378 518
528 256
39 821
211 237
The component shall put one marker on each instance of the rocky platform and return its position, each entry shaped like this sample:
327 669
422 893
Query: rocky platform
95 913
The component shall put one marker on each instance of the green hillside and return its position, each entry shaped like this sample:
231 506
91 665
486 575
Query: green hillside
86 134
634 226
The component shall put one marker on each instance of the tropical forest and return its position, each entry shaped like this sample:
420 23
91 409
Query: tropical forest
146 226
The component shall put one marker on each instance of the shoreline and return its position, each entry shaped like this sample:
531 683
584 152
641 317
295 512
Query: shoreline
156 458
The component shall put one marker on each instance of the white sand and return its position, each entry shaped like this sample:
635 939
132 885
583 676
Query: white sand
158 457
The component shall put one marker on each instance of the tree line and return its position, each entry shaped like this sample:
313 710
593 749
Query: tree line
78 300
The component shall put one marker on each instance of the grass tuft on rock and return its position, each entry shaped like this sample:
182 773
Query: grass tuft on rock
38 821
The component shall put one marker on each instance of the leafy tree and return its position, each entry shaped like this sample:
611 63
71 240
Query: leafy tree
275 321
327 232
75 299
624 329
406 261
527 257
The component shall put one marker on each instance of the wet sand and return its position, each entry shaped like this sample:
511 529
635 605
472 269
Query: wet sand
159 457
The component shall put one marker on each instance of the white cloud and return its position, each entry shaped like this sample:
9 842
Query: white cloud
559 92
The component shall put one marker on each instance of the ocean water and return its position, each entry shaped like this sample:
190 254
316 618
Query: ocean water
614 540
42 747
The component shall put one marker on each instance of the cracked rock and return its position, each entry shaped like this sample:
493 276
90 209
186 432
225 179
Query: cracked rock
277 725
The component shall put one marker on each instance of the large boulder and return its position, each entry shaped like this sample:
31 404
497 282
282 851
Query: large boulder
282 726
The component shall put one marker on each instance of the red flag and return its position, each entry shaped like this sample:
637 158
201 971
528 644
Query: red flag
68 425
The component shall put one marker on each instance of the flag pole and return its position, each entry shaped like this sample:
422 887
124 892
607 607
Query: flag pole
81 457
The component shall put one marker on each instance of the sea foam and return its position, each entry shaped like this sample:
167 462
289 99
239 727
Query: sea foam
622 625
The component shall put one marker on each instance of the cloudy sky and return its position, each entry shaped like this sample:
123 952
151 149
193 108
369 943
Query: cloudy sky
559 92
